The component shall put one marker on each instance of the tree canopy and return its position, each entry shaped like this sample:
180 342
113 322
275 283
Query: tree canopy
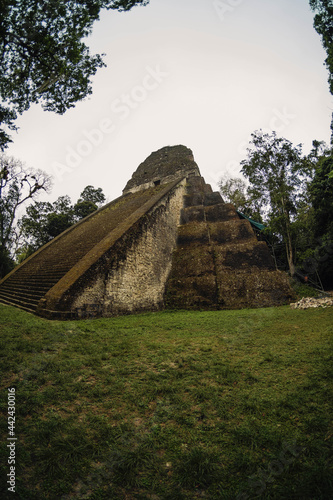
321 194
18 184
323 23
44 220
277 173
292 194
234 190
43 55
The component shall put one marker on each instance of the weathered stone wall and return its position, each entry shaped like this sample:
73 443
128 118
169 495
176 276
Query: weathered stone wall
135 273
161 167
219 263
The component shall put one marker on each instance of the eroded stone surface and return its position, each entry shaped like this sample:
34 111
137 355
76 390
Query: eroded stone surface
165 165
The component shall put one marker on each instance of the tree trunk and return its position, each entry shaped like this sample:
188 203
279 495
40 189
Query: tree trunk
289 244
290 255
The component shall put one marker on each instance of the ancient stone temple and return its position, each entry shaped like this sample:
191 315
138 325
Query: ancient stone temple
168 241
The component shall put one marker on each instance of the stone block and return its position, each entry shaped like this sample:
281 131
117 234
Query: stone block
221 212
212 198
231 231
193 214
193 232
192 293
193 260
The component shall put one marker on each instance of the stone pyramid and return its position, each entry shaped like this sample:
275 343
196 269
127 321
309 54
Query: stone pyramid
168 241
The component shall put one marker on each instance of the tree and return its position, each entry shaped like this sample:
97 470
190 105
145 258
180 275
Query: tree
33 228
323 24
90 199
60 218
18 184
92 195
278 176
235 190
321 193
321 196
43 57
44 220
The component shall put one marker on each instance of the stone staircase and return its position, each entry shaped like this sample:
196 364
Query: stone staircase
25 289
28 283
218 262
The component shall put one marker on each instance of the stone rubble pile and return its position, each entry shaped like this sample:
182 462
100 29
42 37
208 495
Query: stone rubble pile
307 302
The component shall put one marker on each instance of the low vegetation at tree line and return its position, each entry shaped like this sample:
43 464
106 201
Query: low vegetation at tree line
226 404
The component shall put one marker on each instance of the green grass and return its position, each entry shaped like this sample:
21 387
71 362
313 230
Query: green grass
170 405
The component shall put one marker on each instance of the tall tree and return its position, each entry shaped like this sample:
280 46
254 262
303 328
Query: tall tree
278 174
43 56
323 23
18 184
90 199
235 190
321 193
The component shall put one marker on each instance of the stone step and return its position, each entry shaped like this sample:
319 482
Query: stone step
193 200
43 280
24 303
197 185
212 199
219 212
21 296
197 199
32 273
13 287
21 306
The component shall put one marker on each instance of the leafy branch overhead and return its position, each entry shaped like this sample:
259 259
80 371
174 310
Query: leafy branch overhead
43 55
323 24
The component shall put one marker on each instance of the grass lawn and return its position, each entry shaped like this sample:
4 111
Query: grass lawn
170 405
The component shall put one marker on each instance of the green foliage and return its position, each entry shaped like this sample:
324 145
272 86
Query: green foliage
323 23
43 220
18 184
6 262
321 194
92 195
90 199
43 56
83 209
315 254
278 176
7 117
235 190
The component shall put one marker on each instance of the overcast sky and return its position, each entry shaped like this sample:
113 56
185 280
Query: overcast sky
202 73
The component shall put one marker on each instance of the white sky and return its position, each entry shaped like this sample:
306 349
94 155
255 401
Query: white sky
202 73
